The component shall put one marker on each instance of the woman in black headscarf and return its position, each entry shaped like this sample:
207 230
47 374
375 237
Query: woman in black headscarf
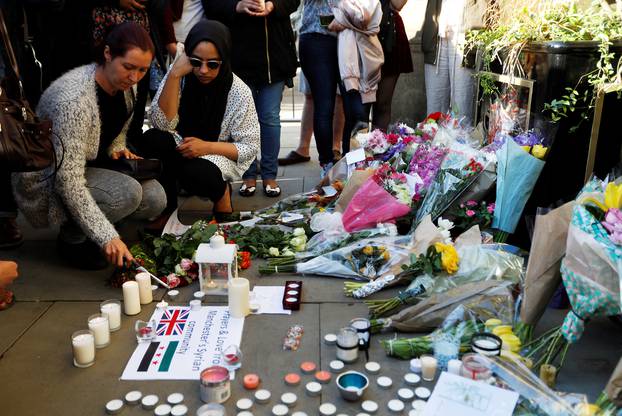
207 129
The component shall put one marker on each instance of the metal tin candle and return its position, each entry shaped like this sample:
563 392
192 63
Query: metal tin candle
215 385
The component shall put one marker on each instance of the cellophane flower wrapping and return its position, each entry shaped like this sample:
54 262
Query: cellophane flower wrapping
385 196
366 259
591 270
327 241
460 167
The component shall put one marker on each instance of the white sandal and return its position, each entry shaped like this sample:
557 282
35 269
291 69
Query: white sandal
247 190
272 192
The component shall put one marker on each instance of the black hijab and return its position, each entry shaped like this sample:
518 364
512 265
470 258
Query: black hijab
202 106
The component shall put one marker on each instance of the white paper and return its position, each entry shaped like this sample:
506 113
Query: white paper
174 226
355 156
329 191
455 395
269 299
188 341
291 217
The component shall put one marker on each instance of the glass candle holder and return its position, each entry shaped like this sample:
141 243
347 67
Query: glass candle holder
428 367
487 344
446 348
112 309
83 345
232 356
211 409
347 345
145 331
99 324
475 367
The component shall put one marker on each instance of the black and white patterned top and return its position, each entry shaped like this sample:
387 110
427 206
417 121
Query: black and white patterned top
240 126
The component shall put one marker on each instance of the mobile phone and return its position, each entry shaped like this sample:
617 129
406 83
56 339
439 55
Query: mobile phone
326 20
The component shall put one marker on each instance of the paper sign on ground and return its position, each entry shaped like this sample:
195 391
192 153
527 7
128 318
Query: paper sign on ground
187 342
355 156
455 395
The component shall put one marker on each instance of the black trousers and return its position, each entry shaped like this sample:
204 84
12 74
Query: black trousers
197 176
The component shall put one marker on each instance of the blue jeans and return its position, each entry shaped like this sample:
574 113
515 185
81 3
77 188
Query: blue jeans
268 104
320 64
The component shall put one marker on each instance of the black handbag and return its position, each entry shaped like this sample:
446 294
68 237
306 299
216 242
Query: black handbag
139 169
25 140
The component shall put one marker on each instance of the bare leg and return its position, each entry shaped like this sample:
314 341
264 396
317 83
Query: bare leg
306 126
224 203
382 107
339 121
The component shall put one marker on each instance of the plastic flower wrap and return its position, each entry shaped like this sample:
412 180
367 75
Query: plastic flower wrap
459 169
383 197
326 241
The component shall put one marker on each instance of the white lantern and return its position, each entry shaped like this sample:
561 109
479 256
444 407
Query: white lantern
218 264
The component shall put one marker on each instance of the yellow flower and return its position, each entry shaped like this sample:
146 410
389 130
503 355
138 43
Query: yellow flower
386 255
613 195
526 148
449 257
368 250
539 151
502 330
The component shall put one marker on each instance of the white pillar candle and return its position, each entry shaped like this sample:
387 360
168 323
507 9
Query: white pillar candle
239 297
112 309
83 344
131 298
428 367
454 366
144 288
100 327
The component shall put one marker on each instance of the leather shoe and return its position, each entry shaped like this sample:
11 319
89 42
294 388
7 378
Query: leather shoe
292 158
85 256
10 235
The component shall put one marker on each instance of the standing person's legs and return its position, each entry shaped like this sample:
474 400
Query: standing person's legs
10 235
437 85
384 97
462 82
355 112
301 154
339 121
268 104
318 58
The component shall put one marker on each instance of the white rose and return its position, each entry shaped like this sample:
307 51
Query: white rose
273 251
299 231
288 253
179 271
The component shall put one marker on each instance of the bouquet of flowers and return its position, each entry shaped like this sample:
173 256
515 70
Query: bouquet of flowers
459 169
473 213
424 165
364 260
383 197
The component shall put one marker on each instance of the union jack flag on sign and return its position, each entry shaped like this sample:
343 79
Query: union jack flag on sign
173 321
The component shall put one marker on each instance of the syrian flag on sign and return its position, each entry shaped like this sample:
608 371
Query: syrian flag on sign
173 322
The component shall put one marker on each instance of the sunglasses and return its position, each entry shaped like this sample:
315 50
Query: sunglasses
198 63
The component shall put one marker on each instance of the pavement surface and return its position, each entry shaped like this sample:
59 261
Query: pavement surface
37 376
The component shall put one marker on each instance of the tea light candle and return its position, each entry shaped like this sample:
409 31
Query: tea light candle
114 406
454 366
162 305
405 394
308 367
372 367
327 409
144 288
162 410
262 396
149 402
280 410
384 382
83 345
289 399
112 309
428 367
395 405
251 381
369 406
323 377
415 365
239 297
336 366
242 413
244 404
179 410
418 404
195 304
412 379
175 398
313 389
199 295
292 379
298 414
172 294
131 298
214 409
98 323
330 339
133 397
422 392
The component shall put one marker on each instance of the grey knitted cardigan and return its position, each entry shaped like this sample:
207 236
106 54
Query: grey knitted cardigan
71 103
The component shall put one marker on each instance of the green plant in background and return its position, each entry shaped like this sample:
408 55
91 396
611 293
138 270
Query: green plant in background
509 31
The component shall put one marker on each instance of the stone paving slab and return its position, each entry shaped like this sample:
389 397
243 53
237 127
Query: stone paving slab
40 364
16 320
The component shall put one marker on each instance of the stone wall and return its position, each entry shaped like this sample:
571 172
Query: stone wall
409 98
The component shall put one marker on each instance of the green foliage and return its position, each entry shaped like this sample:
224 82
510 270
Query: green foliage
258 240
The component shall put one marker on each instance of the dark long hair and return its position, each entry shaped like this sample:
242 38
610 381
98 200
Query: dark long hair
123 37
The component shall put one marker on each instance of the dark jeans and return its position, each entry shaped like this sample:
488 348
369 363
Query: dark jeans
319 62
8 208
196 176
